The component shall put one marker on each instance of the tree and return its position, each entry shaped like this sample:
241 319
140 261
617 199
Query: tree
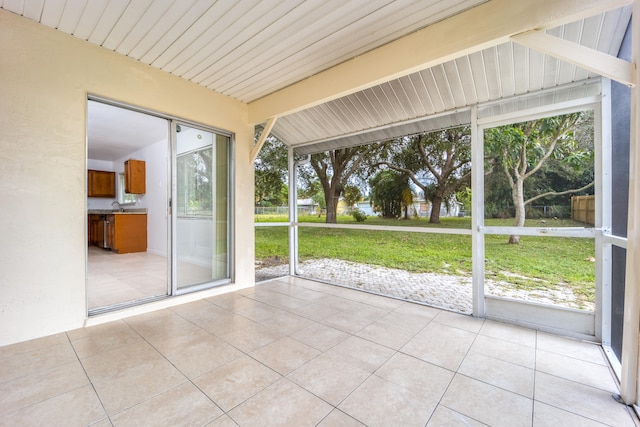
271 169
390 193
334 169
351 195
439 163
522 150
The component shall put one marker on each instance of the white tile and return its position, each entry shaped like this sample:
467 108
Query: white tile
504 350
79 407
588 373
319 336
235 382
337 418
579 399
378 402
587 351
412 323
387 335
510 333
445 417
28 390
499 373
546 415
457 320
423 378
283 403
488 404
285 355
330 378
363 354
182 405
441 345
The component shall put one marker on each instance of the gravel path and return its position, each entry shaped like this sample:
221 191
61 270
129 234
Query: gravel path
438 290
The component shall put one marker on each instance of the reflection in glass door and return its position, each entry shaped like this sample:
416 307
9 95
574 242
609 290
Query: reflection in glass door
200 213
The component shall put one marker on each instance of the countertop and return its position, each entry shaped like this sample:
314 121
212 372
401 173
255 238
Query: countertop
140 211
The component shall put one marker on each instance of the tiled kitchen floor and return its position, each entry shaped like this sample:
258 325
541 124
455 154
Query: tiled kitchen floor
299 353
124 278
118 278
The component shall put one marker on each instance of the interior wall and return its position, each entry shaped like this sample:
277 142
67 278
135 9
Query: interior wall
46 78
155 198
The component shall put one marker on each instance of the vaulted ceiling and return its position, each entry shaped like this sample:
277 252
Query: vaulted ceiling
263 51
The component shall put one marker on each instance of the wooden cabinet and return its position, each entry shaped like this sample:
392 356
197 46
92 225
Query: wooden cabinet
96 230
109 231
134 177
122 233
101 183
127 233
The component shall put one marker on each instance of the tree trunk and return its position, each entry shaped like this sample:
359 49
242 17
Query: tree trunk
436 204
518 202
331 201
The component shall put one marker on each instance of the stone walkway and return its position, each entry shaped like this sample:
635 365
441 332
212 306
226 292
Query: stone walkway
439 290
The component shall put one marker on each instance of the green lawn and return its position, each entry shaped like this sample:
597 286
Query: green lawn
535 263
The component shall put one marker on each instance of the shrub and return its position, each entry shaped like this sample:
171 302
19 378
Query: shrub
358 215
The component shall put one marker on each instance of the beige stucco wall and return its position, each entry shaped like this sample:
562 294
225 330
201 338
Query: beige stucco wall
45 77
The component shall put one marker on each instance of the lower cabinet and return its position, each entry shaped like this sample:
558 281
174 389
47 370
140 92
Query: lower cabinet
96 230
108 231
122 233
126 233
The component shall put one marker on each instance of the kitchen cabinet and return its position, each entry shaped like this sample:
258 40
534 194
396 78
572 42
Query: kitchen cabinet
96 230
134 177
121 232
101 183
125 233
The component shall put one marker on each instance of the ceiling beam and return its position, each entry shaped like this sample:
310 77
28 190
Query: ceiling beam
486 25
582 56
263 137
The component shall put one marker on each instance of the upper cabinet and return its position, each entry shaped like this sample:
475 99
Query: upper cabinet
101 183
134 177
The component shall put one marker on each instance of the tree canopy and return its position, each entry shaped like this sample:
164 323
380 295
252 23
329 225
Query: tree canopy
545 148
271 171
390 193
439 163
334 170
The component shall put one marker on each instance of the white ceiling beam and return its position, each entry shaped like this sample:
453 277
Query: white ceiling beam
590 59
263 137
486 25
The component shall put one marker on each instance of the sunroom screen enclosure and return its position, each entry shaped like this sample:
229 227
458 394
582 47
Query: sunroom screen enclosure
501 85
577 322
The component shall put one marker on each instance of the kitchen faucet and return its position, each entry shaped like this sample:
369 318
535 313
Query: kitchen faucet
115 202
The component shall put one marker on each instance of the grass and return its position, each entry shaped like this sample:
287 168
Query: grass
537 262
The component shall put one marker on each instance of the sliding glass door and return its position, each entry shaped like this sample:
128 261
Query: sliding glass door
171 237
201 208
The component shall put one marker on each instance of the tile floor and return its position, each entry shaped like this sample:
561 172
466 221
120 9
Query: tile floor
294 352
117 278
121 278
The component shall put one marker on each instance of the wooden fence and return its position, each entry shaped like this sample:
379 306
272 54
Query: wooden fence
583 209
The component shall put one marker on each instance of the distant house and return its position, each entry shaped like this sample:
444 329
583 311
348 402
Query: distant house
419 208
365 207
307 207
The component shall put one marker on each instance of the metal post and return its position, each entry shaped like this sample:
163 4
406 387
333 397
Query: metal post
603 147
293 215
477 214
629 379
